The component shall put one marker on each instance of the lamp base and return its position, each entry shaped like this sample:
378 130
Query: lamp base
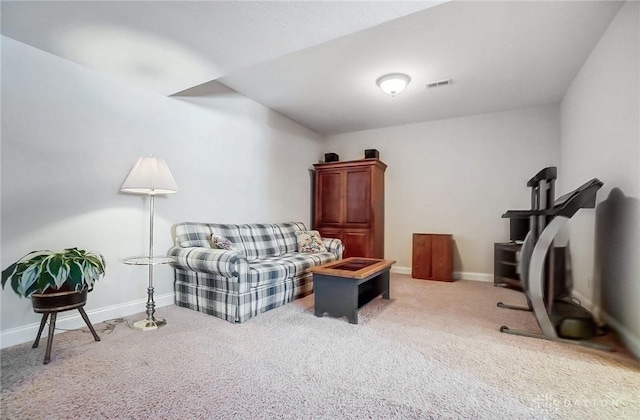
149 324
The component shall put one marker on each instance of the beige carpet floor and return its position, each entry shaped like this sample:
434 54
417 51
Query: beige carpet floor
432 351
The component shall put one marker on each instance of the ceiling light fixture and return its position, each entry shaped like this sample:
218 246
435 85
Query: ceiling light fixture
393 83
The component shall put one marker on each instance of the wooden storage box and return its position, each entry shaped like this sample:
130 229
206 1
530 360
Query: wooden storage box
432 257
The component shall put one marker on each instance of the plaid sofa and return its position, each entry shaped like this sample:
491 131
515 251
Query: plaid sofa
263 272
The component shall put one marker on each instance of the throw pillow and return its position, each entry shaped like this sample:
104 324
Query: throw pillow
310 241
220 242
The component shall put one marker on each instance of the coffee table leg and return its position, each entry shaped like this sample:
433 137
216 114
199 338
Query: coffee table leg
384 281
353 317
337 296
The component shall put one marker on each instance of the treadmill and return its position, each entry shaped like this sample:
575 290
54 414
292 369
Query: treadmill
559 319
542 196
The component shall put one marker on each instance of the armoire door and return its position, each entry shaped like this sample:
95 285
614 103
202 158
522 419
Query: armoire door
358 198
329 198
357 243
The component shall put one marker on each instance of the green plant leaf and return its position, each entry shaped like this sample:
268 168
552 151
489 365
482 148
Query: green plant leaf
94 269
58 268
45 281
15 281
35 257
75 278
95 273
62 276
16 278
95 261
53 264
74 252
29 277
8 273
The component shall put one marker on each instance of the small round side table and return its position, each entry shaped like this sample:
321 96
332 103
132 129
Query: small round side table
150 323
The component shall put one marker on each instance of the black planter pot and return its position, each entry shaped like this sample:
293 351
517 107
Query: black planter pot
58 301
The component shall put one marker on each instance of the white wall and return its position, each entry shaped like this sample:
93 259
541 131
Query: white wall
458 176
70 137
601 138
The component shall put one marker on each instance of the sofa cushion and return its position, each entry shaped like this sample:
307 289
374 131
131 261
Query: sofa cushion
193 235
310 241
287 235
297 263
260 240
266 271
231 232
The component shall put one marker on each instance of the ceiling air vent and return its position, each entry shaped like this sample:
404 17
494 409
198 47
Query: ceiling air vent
439 83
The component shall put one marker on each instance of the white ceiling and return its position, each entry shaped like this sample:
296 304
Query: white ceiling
170 46
317 61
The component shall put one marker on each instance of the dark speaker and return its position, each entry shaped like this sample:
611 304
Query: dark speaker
371 154
518 228
331 157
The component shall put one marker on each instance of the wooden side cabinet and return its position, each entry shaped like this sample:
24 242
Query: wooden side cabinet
506 259
506 256
432 257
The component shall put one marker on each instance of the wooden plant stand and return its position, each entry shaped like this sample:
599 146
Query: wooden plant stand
49 305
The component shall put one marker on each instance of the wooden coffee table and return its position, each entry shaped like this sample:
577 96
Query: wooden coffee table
342 287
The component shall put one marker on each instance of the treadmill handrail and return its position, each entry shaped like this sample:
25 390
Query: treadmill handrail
582 197
522 214
547 174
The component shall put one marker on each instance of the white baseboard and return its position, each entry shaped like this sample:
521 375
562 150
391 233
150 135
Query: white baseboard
458 275
465 275
72 320
588 305
401 270
632 342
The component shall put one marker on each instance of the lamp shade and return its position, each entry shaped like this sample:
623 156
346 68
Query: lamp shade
150 176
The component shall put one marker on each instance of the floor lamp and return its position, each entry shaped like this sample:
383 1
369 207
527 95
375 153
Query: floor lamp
149 176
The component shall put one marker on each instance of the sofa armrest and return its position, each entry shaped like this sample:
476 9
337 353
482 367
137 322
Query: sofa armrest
208 260
334 245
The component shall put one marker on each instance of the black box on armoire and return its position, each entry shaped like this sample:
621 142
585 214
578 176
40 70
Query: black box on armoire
371 154
331 157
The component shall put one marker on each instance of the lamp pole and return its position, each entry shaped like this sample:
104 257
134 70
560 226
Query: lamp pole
151 305
151 323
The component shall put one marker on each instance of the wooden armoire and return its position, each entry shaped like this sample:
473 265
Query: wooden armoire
349 205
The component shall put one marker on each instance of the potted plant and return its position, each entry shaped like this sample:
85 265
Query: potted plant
55 282
69 274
